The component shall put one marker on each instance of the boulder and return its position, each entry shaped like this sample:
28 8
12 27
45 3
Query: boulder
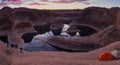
116 53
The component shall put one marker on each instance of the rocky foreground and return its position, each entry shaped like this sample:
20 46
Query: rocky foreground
15 57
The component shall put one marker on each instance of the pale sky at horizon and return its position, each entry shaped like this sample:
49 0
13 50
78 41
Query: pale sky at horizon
59 4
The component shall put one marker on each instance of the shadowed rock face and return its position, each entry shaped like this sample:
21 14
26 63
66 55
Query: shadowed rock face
113 13
57 31
28 37
86 31
118 21
4 39
42 28
25 14
5 24
5 12
5 21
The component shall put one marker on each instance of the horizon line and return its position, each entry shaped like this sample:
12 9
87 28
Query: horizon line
61 9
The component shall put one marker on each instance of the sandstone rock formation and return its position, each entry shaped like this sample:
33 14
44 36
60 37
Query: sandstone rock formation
18 21
118 21
73 30
99 29
86 43
56 26
97 17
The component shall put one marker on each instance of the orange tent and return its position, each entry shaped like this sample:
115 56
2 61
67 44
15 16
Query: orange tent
106 56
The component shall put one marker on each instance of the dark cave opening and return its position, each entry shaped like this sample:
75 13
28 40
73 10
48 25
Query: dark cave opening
42 28
27 37
86 30
4 39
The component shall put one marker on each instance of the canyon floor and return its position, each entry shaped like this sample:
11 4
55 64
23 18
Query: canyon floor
15 57
57 58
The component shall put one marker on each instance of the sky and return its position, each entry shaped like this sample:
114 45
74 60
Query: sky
59 4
